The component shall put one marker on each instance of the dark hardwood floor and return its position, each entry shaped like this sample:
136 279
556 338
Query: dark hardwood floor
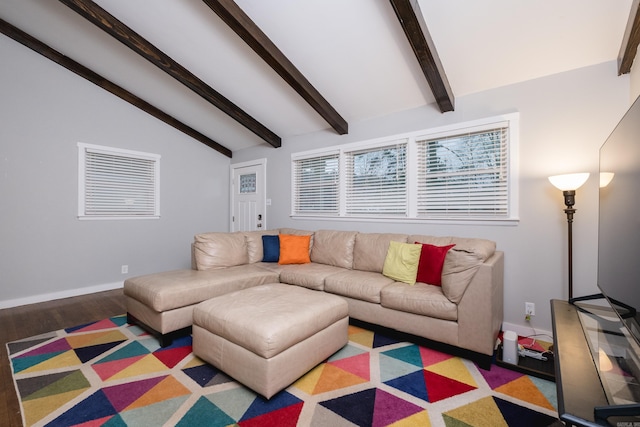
35 319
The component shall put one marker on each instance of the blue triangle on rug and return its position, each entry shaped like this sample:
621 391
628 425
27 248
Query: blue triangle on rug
356 407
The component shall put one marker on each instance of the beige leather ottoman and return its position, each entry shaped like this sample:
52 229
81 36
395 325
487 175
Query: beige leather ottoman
268 336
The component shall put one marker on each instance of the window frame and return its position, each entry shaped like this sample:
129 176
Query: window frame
152 159
510 121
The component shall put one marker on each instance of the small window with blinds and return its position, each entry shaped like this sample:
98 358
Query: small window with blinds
117 184
377 180
464 175
316 185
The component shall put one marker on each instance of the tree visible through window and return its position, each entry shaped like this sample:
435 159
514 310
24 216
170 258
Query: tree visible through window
466 173
377 181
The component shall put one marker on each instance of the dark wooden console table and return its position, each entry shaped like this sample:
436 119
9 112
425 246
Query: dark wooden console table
578 382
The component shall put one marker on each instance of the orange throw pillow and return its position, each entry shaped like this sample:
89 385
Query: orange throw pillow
294 249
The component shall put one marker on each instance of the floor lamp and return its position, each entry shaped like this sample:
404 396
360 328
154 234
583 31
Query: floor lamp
568 184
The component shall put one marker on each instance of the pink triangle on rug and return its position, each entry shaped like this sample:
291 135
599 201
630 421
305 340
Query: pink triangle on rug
121 396
357 365
440 387
389 409
108 369
431 357
98 326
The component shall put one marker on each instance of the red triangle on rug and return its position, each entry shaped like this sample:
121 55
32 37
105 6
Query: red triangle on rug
284 417
95 423
440 387
357 365
173 356
108 369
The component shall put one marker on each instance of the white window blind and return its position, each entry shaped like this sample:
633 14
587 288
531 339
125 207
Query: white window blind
116 183
464 175
316 185
377 180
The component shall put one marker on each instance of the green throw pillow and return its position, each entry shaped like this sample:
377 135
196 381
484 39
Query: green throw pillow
401 263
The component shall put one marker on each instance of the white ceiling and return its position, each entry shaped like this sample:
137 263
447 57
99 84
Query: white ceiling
353 51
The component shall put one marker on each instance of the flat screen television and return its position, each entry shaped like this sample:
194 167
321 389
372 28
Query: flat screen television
619 221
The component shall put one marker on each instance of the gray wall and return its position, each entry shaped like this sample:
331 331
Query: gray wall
45 251
564 119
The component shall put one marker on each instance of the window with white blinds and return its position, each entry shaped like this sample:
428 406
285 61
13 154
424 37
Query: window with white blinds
377 180
464 175
464 172
117 184
316 185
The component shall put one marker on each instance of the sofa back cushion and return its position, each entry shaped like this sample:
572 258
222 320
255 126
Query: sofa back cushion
220 250
254 243
333 248
370 250
461 263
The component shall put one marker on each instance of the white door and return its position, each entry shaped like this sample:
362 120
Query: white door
248 196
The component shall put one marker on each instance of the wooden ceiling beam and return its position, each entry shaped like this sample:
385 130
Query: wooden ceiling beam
630 41
112 26
252 35
88 74
415 28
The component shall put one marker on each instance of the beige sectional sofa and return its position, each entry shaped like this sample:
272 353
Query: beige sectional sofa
464 313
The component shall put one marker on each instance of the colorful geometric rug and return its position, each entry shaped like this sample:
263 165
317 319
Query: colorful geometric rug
110 373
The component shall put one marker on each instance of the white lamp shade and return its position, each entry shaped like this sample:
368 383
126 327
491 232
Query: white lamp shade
568 182
605 178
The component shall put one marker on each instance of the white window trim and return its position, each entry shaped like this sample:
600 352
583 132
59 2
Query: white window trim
512 121
83 149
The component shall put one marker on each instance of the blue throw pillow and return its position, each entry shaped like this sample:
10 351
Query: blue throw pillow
271 248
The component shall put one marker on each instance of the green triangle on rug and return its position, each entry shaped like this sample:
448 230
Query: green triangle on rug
110 373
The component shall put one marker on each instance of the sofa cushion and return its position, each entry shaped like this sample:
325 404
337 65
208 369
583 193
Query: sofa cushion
423 299
310 276
180 288
401 263
254 243
361 285
297 232
220 250
461 263
294 249
431 262
333 248
370 250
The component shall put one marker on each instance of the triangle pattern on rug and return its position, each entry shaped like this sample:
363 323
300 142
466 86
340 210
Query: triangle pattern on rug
205 413
373 407
90 376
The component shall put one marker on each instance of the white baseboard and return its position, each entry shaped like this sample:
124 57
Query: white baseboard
59 295
528 331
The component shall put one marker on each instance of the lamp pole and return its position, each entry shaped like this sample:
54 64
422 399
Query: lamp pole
568 184
570 200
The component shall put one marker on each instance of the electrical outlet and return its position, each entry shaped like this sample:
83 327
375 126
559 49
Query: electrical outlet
124 269
529 309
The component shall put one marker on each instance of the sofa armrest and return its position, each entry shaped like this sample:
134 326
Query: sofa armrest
480 311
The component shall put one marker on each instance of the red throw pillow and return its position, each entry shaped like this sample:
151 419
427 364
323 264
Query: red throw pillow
431 262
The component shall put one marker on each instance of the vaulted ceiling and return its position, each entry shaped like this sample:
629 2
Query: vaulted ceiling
234 75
